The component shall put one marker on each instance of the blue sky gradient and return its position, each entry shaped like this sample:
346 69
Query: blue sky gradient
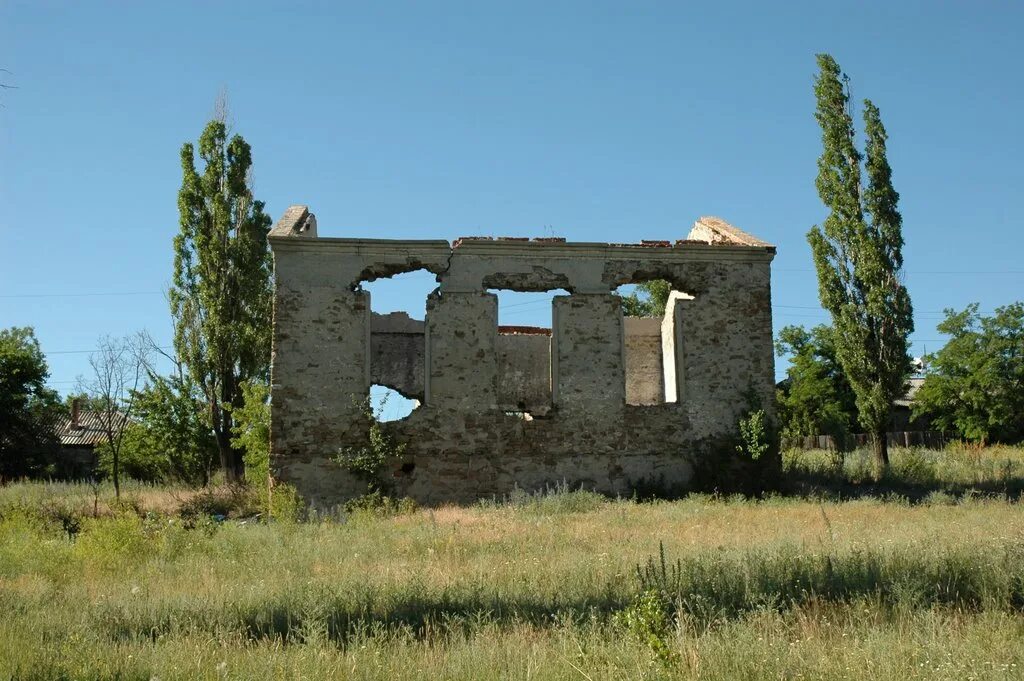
589 120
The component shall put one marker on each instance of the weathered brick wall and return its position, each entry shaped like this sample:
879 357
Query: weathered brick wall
462 366
524 372
462 443
588 371
726 337
645 384
398 353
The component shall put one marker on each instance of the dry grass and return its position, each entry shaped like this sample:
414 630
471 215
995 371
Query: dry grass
783 588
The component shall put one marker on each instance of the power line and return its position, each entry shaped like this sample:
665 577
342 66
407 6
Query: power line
79 352
815 307
82 295
951 272
430 275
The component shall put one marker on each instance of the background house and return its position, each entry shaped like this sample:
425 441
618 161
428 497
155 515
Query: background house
79 433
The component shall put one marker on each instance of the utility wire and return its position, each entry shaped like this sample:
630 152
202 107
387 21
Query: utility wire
78 352
430 275
813 307
801 269
82 295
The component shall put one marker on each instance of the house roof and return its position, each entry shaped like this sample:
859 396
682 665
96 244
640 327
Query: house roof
89 432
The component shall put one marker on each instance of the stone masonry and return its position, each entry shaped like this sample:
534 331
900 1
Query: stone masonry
599 401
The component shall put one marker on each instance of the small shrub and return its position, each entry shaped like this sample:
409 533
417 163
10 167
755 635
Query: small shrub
368 461
285 503
939 498
113 543
378 505
648 620
657 575
234 501
913 466
251 432
755 440
557 500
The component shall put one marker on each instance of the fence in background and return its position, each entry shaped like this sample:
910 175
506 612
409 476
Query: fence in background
932 439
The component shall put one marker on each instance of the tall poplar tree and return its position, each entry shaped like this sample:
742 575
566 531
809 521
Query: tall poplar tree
858 257
221 294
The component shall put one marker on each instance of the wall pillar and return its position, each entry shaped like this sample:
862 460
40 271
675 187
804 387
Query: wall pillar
587 351
462 330
320 369
672 344
725 336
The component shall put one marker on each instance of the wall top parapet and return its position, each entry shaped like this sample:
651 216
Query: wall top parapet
710 239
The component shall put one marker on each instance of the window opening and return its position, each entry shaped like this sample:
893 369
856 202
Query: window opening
523 347
397 342
643 310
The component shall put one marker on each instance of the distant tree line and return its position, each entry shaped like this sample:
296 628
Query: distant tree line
849 374
973 386
211 411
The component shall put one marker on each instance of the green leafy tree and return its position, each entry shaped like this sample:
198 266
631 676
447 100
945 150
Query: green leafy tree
170 437
86 402
648 299
27 407
975 383
221 293
815 398
252 436
858 258
252 431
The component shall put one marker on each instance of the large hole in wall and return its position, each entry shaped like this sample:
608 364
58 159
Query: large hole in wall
644 299
397 342
524 351
643 310
389 404
519 308
405 292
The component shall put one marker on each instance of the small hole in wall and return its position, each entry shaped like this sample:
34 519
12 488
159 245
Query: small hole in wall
389 404
408 467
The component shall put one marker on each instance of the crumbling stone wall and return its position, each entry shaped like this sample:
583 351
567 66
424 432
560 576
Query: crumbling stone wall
603 402
645 372
524 370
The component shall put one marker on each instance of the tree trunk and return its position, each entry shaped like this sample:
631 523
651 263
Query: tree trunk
230 459
880 449
117 472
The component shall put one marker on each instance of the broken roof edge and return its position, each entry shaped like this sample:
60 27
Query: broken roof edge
715 230
437 253
296 221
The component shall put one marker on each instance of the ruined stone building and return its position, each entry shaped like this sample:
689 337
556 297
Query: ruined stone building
599 400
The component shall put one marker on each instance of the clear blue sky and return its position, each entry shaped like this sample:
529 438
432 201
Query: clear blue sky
589 120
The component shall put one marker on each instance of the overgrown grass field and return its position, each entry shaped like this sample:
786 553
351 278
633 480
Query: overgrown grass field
827 584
